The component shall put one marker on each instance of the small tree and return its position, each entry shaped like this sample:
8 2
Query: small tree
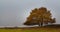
39 16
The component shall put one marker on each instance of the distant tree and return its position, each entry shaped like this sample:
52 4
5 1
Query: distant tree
39 17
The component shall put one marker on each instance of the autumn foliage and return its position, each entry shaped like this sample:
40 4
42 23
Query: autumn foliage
39 16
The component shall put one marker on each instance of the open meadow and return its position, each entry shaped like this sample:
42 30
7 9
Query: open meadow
31 29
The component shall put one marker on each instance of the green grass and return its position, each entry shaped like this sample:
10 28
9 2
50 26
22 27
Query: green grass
10 30
31 30
41 30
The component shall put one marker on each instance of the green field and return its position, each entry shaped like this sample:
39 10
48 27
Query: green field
41 29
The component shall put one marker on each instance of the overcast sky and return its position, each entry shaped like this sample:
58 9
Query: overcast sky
14 12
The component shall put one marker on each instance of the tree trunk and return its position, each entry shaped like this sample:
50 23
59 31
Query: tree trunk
42 24
39 24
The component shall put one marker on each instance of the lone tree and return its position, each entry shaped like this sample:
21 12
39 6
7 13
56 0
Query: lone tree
39 16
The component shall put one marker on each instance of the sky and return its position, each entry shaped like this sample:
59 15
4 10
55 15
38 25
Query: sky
15 12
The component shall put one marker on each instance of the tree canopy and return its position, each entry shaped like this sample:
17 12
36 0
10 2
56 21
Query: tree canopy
39 16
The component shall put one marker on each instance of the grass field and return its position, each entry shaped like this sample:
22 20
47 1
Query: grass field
53 28
31 30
